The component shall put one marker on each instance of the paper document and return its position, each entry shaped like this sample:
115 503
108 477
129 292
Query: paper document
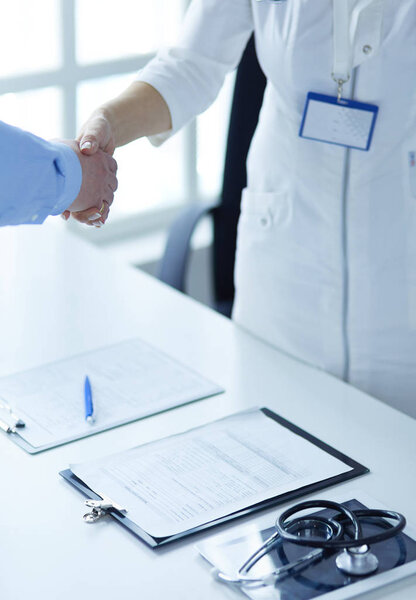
178 483
129 380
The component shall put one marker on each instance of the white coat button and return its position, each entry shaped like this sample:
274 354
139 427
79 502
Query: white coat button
264 221
367 49
34 217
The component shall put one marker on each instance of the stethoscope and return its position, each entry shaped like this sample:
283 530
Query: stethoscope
321 534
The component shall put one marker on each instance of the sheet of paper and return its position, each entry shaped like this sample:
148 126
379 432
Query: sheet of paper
177 483
129 380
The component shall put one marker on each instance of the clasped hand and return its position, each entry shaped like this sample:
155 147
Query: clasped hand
99 182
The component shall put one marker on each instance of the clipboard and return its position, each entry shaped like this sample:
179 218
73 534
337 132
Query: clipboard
142 381
104 506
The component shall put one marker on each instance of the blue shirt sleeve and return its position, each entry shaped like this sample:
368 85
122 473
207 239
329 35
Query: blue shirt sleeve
37 178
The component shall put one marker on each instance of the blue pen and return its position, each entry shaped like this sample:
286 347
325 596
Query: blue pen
89 408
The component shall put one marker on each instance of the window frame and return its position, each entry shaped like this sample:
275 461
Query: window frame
66 78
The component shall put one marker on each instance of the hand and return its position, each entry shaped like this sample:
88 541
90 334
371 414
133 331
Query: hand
99 183
96 134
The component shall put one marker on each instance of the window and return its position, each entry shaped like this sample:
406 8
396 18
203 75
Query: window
83 52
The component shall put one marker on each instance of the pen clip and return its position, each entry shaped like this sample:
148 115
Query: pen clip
100 508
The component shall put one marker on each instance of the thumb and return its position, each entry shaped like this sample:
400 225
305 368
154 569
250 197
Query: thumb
94 135
88 143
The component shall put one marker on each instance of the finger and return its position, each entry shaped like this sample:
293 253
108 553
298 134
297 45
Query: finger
112 183
103 216
87 216
65 215
109 197
80 218
112 163
105 212
104 207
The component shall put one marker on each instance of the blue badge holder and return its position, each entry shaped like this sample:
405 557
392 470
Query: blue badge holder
341 122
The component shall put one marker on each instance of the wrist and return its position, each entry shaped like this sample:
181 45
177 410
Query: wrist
69 166
111 114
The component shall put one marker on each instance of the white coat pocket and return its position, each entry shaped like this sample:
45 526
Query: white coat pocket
281 278
263 210
262 215
264 218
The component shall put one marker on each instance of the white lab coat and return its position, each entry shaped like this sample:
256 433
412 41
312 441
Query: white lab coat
326 252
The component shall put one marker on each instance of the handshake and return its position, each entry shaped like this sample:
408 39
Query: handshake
139 111
94 149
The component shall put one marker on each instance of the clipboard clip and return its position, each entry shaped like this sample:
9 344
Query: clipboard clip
100 508
17 422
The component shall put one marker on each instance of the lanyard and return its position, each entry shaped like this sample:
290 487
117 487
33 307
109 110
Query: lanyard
344 32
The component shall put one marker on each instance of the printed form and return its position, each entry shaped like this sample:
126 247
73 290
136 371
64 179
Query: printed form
175 484
129 380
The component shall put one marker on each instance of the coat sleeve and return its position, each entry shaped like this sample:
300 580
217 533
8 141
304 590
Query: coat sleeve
37 178
190 75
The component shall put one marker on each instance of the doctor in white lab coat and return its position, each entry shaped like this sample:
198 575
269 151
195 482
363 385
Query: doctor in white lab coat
326 252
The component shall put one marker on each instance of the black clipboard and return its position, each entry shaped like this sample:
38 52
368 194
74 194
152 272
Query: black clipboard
356 470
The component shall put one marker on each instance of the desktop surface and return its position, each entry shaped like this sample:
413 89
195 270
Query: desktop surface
60 296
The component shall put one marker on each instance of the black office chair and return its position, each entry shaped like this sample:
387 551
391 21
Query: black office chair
247 99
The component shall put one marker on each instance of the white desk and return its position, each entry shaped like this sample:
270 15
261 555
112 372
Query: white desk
59 296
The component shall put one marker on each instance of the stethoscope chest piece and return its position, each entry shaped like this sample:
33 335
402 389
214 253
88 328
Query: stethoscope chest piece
357 561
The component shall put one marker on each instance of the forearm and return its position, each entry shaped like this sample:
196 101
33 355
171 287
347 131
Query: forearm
139 111
37 178
178 83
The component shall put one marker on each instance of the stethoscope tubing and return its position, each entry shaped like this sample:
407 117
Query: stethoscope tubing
353 516
272 577
335 529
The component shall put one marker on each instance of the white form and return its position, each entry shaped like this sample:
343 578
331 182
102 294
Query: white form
174 484
129 380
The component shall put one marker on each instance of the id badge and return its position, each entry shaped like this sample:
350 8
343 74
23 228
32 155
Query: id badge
342 122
